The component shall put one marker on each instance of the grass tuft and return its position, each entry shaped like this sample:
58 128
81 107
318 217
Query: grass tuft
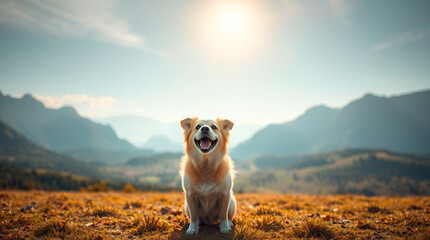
144 224
425 234
373 209
133 205
104 212
5 195
365 225
247 233
269 223
47 208
13 220
313 229
54 228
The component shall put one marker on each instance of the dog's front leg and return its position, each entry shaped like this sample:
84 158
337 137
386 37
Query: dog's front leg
224 224
194 214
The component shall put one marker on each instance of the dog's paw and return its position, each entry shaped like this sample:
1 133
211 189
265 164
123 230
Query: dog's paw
230 223
225 226
193 229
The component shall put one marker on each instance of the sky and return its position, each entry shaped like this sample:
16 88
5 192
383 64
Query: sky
254 62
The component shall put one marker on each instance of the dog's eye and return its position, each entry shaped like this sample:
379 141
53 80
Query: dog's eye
214 127
198 127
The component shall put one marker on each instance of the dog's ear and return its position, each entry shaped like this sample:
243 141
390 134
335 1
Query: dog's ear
225 124
187 123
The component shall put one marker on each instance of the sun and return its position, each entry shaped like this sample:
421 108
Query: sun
230 30
232 23
231 19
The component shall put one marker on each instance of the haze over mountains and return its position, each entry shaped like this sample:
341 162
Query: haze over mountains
141 130
398 123
161 143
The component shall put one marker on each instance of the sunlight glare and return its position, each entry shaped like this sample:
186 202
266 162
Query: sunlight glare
230 30
231 19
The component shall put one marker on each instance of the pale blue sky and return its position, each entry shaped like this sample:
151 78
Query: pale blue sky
168 60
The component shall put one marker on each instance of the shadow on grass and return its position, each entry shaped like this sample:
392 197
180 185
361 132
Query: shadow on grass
210 232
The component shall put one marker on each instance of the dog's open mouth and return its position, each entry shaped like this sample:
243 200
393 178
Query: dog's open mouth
205 144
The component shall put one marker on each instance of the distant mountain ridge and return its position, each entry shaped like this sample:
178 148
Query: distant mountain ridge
161 143
400 123
63 130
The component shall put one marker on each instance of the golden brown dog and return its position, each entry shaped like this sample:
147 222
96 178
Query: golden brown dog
207 173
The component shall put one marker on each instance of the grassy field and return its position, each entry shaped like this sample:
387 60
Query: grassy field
117 215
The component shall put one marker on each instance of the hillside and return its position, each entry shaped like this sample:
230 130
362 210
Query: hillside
397 123
360 171
63 130
17 150
14 177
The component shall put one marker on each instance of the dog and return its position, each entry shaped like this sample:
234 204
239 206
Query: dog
207 174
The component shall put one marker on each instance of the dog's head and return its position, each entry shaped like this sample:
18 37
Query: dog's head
206 136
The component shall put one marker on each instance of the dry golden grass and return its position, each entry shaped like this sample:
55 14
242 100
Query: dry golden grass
313 229
104 211
54 228
147 224
119 215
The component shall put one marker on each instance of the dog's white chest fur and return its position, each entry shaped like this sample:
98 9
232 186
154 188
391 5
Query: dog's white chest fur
206 189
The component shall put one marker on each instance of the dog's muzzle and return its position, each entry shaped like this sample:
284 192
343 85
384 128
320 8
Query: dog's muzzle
204 142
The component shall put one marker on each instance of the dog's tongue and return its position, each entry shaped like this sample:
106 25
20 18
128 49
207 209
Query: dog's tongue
205 143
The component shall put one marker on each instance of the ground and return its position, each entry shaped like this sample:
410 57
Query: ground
140 215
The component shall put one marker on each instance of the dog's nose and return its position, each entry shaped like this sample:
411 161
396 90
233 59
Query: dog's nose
205 130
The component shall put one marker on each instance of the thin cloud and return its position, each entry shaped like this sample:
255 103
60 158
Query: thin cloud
94 19
341 10
86 105
402 38
90 106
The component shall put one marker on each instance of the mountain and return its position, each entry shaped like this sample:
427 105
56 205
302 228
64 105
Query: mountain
17 150
397 123
354 171
292 137
161 143
64 131
379 122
